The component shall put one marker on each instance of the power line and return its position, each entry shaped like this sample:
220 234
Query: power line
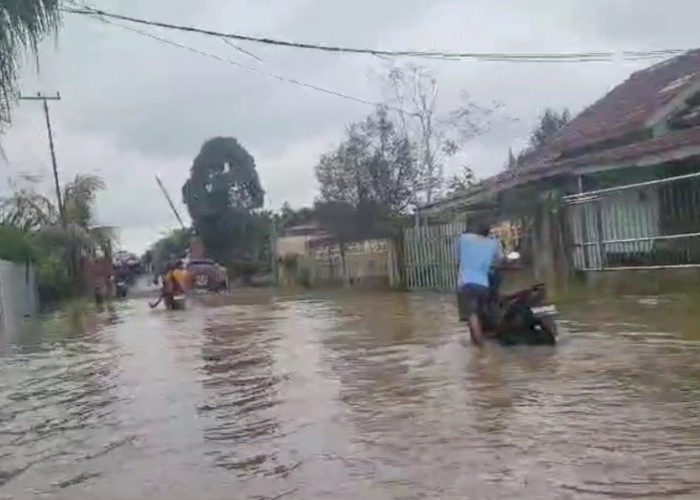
448 56
241 49
252 69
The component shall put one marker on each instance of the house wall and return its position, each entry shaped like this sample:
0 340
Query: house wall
290 245
19 296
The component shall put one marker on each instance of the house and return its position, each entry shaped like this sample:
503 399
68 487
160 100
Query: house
626 170
297 240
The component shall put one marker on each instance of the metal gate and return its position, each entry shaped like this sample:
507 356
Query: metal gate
430 256
647 225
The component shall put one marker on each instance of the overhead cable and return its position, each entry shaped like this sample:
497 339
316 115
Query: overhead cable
577 57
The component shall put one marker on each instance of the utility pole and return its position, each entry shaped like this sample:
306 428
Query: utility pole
170 202
45 99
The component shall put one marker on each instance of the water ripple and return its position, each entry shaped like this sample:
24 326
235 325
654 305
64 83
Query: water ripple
347 396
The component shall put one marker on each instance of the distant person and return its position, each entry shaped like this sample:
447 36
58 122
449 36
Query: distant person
181 277
479 255
171 284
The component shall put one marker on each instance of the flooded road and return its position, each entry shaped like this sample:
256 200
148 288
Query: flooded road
372 396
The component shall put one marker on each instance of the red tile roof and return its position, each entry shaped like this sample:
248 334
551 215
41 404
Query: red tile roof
627 108
631 104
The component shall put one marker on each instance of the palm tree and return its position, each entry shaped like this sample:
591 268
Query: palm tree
79 232
23 23
62 243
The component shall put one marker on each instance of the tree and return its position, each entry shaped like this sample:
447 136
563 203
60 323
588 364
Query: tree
512 161
173 245
34 213
221 194
79 233
460 183
23 23
288 217
32 227
373 166
435 138
549 124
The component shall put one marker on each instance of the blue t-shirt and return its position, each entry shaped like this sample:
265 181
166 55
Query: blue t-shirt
476 256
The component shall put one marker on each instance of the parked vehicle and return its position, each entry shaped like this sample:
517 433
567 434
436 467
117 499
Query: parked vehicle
207 275
121 288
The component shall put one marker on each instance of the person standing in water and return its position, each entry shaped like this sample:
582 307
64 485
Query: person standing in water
478 256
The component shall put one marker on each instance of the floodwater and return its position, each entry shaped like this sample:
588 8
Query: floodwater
364 396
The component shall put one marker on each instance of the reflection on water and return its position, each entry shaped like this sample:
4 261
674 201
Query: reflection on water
348 396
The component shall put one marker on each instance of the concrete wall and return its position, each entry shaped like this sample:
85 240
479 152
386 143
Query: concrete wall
19 295
367 264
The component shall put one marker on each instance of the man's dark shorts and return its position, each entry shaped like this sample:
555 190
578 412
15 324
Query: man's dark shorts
471 298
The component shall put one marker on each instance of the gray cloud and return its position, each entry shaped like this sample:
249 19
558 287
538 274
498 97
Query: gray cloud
134 107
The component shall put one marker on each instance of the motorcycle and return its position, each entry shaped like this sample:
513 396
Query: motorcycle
520 318
172 302
177 303
121 289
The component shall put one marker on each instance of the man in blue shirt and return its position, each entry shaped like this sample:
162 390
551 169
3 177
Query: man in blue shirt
478 256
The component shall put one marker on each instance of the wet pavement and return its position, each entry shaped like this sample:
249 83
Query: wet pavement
365 396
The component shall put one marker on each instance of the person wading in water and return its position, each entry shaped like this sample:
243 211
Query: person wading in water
176 281
479 255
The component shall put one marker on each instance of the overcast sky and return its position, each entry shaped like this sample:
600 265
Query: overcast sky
133 107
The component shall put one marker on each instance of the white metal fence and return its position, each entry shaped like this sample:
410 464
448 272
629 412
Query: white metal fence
647 225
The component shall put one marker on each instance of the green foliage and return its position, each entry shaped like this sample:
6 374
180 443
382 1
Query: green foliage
16 244
223 179
288 217
550 122
79 199
548 126
31 230
373 165
171 246
23 23
460 183
367 181
221 194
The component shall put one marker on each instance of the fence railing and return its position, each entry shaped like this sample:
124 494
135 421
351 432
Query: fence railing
430 253
430 256
647 225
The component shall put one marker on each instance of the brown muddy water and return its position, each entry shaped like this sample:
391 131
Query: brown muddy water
372 396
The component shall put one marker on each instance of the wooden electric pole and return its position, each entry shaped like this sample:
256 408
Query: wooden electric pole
45 99
170 202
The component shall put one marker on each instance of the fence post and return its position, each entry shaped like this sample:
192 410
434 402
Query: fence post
599 230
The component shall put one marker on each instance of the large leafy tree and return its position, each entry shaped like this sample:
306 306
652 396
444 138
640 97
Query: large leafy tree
23 23
221 195
368 182
373 166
